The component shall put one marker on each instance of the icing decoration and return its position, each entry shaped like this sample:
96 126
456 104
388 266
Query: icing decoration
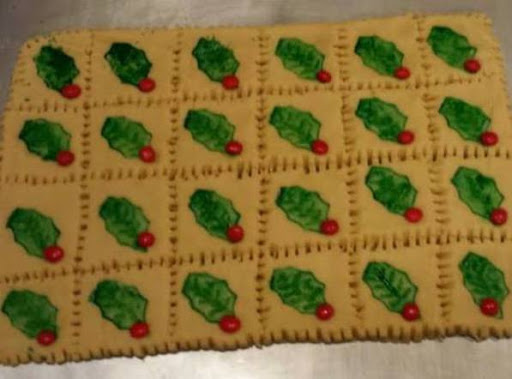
480 193
127 223
33 314
382 56
303 59
485 282
216 214
453 48
57 70
394 191
130 65
298 127
384 119
49 140
469 121
217 61
36 233
393 288
212 298
128 137
213 131
307 209
123 305
302 291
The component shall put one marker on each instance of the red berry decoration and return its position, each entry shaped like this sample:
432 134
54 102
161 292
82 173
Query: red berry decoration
145 239
324 311
147 154
65 158
53 254
230 82
233 148
323 76
139 330
235 233
71 91
499 216
472 66
329 227
319 147
413 214
46 337
406 137
402 73
410 312
489 138
146 85
489 307
230 324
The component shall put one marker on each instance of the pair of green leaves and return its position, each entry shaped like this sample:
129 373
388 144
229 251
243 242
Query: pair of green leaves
129 63
212 130
299 57
45 138
379 54
468 120
453 48
56 68
125 135
214 59
382 118
298 127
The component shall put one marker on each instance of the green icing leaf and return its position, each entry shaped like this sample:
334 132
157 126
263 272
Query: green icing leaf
381 118
297 288
483 280
45 138
124 220
391 189
480 193
33 230
214 59
125 135
213 212
296 126
120 303
30 312
129 63
381 55
466 119
212 130
209 296
450 46
55 67
301 58
303 207
389 285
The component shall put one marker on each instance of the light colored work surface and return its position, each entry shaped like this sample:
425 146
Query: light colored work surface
452 358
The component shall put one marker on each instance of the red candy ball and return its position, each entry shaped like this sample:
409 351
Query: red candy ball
489 307
472 66
319 147
235 233
402 73
499 216
233 148
65 158
406 137
139 330
324 311
71 91
230 324
323 76
147 154
46 337
489 138
146 85
53 253
145 239
329 227
413 214
230 82
410 312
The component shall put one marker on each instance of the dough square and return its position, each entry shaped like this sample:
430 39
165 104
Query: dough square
244 42
155 118
17 347
19 162
240 112
192 331
402 31
323 37
29 89
151 194
332 188
58 201
159 46
193 240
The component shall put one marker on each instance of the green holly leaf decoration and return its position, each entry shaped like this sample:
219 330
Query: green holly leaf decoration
389 285
120 303
125 135
479 192
298 289
30 312
483 280
212 130
301 58
124 220
468 120
379 54
214 59
382 118
129 63
55 67
298 127
209 296
215 213
393 190
450 46
45 138
33 230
